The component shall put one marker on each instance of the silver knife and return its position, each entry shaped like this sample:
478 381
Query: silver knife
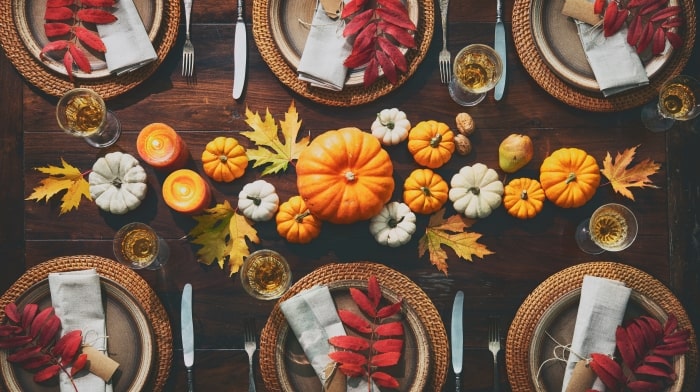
187 330
239 54
500 46
457 339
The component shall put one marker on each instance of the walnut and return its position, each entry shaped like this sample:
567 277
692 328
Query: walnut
464 146
465 124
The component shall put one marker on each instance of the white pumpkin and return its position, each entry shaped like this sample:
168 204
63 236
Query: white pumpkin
258 201
394 225
117 183
476 191
391 126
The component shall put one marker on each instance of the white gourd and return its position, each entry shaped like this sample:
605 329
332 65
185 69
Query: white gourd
476 191
394 225
117 183
391 126
258 201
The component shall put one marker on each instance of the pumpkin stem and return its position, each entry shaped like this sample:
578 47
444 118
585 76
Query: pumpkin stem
475 190
256 200
389 124
117 183
523 194
571 177
425 190
435 140
393 222
300 217
349 176
223 158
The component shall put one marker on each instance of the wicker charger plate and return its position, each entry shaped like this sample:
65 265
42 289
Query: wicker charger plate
128 281
390 280
536 66
18 41
557 288
276 54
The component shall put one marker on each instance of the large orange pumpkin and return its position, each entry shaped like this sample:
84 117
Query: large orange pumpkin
569 177
345 176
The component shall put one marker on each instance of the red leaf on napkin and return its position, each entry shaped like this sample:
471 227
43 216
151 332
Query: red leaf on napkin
90 39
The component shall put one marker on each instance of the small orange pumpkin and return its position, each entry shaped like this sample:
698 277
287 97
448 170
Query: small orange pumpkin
345 176
424 191
431 143
569 177
295 223
523 198
224 160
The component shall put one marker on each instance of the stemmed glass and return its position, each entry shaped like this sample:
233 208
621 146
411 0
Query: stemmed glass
82 112
611 227
476 69
138 246
678 100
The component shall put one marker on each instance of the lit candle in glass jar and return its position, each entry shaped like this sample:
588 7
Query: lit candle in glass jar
161 147
186 191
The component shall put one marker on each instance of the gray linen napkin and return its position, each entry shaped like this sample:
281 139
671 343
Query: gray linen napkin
77 299
126 39
615 64
601 309
325 51
313 318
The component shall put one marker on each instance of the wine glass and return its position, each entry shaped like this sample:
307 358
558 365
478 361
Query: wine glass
679 99
265 274
611 227
82 112
138 246
476 69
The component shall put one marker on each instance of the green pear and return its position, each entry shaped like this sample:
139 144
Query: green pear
514 152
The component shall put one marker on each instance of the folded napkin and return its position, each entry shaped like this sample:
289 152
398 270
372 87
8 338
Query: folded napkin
601 309
325 51
77 299
126 39
313 318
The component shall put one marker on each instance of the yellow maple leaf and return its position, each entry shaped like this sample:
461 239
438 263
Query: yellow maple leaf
622 178
450 232
65 178
273 151
222 233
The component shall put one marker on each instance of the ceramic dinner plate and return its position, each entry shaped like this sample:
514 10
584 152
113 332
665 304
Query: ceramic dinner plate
557 40
289 24
296 374
29 16
131 342
557 325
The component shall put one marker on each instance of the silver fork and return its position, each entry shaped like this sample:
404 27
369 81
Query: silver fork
444 57
250 347
495 347
188 49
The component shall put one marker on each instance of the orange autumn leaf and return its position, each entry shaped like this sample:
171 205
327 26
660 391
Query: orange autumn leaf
450 232
66 178
622 176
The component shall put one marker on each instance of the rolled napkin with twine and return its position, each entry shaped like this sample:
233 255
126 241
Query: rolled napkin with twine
615 64
325 51
312 316
77 300
601 309
126 39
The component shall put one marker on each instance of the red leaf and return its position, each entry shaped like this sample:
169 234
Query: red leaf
675 39
53 324
58 3
8 330
644 386
90 39
28 314
67 346
58 13
387 345
354 343
677 336
634 31
98 3
12 313
387 66
36 362
355 60
609 371
384 380
363 302
672 22
658 361
390 329
40 320
637 339
389 310
54 46
396 18
654 6
609 18
654 371
56 29
598 7
394 5
385 359
351 7
348 357
15 341
625 346
79 364
24 354
80 58
374 292
352 370
402 36
394 53
68 64
654 325
47 373
354 321
671 324
645 38
658 41
358 22
371 72
93 15
366 37
665 13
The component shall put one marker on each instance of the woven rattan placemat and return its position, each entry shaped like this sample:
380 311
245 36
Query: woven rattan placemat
390 278
349 96
537 68
125 277
531 311
56 84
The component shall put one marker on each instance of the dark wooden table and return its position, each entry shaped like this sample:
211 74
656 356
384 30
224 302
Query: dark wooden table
526 252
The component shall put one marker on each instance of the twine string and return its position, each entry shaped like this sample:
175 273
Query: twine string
558 354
